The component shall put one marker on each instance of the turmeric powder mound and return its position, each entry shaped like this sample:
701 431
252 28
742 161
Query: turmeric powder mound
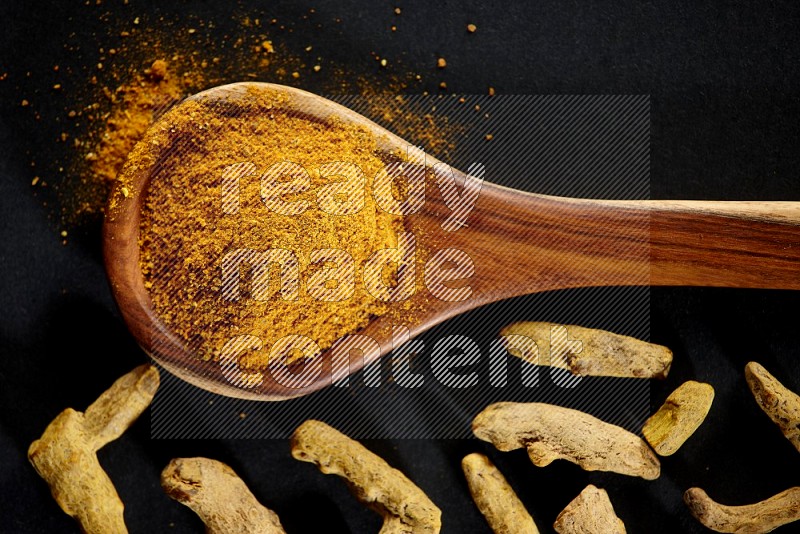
188 230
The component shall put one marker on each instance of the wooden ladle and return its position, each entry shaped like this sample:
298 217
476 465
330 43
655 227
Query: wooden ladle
520 243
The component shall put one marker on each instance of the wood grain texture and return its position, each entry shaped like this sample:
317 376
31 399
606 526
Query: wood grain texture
520 243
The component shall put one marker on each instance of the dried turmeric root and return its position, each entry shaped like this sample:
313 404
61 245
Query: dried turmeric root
404 507
221 499
777 401
681 414
65 456
601 353
758 518
495 498
551 432
590 512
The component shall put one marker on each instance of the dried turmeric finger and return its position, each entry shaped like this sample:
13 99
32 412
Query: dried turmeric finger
404 507
551 432
590 512
221 499
599 353
777 401
681 414
764 516
495 498
65 456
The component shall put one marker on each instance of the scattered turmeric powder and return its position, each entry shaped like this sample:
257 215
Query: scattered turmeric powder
153 92
125 90
186 236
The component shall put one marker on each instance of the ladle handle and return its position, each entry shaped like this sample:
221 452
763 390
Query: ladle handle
707 243
532 243
729 244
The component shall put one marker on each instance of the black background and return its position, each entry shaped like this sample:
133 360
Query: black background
723 81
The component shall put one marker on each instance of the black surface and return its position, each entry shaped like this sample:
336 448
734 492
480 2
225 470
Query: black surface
725 111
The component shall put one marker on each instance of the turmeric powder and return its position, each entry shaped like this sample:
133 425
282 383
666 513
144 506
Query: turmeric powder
139 102
190 227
